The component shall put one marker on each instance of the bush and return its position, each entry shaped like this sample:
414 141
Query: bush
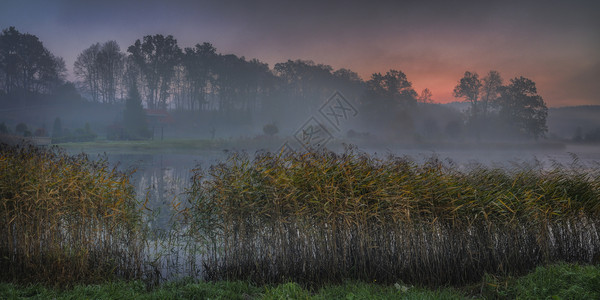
270 129
40 132
79 135
21 128
4 128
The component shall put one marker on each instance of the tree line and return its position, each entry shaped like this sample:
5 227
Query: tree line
514 108
199 79
26 65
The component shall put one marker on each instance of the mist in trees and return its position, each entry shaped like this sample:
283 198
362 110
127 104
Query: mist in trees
195 77
490 90
57 129
209 91
230 89
388 102
134 117
514 110
100 69
468 88
305 83
522 108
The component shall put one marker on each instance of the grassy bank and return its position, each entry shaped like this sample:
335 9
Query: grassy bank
560 281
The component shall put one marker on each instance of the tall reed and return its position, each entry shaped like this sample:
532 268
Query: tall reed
323 217
65 219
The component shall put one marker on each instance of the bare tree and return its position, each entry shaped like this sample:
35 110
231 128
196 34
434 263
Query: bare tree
101 68
425 96
86 69
110 61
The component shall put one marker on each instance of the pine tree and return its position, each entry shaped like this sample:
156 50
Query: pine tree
57 129
134 117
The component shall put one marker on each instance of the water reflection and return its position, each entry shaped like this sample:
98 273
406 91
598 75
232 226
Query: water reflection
160 180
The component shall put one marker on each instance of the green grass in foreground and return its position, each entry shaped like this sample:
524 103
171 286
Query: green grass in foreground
559 281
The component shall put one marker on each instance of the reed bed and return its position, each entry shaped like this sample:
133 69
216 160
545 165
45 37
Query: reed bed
326 217
66 219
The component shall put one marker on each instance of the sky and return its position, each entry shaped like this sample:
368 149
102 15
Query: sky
554 43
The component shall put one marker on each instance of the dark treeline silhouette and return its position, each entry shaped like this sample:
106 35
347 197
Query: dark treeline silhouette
210 88
27 66
101 69
29 71
501 110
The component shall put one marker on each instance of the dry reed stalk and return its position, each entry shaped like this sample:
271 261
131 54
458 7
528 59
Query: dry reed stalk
324 217
65 219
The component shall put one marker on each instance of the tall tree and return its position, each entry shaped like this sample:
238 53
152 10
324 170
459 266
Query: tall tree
134 117
26 65
469 88
349 83
490 91
305 83
86 68
522 108
255 81
389 92
156 58
388 101
57 128
110 64
101 68
199 65
239 83
228 81
425 96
